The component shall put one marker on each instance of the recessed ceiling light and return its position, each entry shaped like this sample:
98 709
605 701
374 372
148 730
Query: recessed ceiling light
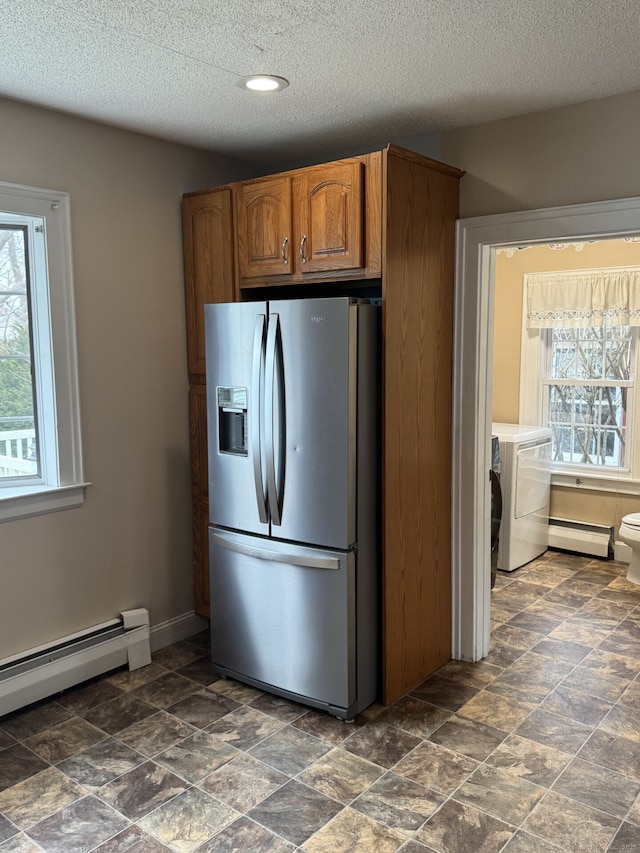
263 83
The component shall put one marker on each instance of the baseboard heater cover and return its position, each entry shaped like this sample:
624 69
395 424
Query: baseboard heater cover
46 670
594 540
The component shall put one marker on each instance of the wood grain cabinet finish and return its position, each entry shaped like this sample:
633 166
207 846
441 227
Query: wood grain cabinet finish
264 236
208 264
209 277
420 208
390 216
328 223
321 223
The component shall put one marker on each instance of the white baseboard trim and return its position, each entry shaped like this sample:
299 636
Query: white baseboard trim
179 628
622 552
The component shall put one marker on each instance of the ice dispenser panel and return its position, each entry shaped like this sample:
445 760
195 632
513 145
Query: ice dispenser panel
232 420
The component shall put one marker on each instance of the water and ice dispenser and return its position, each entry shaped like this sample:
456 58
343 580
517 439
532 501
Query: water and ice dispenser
232 421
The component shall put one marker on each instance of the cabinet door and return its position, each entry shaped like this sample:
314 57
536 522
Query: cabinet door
328 213
208 264
264 227
284 615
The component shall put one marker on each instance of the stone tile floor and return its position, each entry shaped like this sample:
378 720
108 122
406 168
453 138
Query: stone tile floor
535 749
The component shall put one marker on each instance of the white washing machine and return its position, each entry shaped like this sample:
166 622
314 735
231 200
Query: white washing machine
525 455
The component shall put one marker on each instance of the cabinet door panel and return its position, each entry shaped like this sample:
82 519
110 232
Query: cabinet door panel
264 227
208 264
328 210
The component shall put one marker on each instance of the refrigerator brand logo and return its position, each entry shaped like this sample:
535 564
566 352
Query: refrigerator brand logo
318 318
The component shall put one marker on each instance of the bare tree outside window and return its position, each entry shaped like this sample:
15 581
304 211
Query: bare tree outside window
587 388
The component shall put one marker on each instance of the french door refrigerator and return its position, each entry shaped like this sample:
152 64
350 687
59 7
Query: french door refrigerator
293 410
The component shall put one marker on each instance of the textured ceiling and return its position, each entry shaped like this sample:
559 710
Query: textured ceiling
361 72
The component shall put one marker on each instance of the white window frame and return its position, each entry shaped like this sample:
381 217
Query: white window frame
533 354
61 484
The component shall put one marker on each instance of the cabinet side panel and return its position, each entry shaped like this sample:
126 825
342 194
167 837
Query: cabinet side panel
373 213
209 277
199 499
418 285
208 264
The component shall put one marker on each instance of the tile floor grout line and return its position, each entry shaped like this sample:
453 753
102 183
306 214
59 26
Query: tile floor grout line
569 797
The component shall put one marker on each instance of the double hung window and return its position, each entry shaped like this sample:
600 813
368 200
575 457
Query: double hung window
579 368
40 451
588 389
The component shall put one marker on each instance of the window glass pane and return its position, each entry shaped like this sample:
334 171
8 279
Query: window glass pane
613 446
561 443
598 352
597 415
18 455
618 352
589 354
582 449
583 404
563 359
559 405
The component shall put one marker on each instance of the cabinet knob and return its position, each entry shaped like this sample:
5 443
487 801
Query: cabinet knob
302 245
283 251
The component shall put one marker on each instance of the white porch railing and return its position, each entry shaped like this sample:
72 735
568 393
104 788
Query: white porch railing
17 453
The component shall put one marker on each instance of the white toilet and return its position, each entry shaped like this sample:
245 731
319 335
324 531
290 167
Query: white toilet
629 533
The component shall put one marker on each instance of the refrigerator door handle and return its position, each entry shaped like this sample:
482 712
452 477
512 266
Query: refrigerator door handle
271 367
276 556
256 432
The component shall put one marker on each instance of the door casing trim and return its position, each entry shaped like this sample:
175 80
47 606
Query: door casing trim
477 239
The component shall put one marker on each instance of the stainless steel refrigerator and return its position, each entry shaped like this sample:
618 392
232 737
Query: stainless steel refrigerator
293 411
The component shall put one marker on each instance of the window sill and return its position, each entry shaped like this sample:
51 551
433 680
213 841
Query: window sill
25 501
596 482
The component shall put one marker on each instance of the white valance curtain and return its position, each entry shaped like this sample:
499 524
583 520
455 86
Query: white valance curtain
585 298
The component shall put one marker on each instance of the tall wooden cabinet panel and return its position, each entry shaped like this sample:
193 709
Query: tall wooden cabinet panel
420 210
209 277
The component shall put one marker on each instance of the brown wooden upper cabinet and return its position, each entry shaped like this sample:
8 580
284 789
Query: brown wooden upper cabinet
302 223
328 221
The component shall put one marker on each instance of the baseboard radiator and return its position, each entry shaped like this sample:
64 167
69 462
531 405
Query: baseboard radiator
46 670
594 540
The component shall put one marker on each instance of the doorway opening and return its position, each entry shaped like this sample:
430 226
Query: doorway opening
478 240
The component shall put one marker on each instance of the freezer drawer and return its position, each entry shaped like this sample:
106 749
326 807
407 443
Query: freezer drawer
284 615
